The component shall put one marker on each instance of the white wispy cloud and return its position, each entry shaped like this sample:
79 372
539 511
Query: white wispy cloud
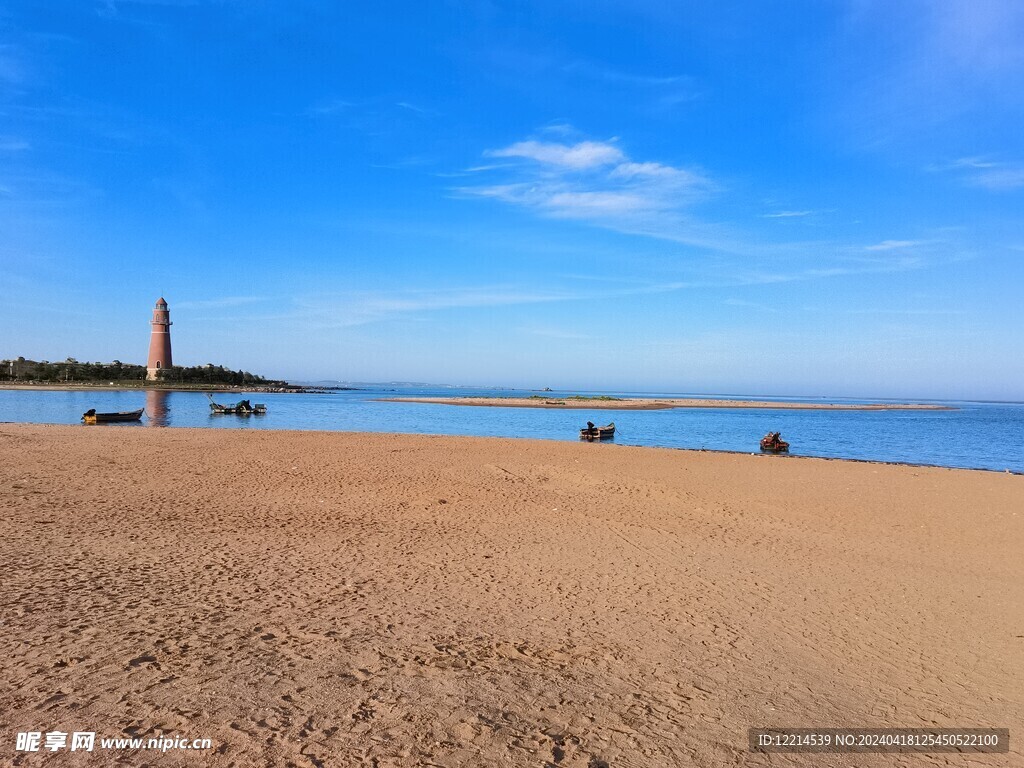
964 162
416 109
585 154
598 182
662 91
1000 179
611 75
490 167
587 204
329 107
786 214
665 173
892 245
605 187
558 127
993 175
361 307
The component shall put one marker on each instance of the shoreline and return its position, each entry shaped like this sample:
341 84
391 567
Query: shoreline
597 445
655 404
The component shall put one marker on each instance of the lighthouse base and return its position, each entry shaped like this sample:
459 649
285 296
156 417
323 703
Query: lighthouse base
156 374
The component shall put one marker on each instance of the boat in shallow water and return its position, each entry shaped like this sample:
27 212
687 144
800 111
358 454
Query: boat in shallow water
591 433
91 417
241 408
773 443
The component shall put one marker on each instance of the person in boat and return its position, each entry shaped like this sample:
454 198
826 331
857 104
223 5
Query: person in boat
590 426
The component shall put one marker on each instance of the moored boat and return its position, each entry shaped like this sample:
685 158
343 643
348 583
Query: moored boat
773 443
91 417
242 408
591 433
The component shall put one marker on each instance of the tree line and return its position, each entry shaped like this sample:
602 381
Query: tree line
20 369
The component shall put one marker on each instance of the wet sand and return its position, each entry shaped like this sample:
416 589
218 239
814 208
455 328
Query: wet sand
655 404
333 599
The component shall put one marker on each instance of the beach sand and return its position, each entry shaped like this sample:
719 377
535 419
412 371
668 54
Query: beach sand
656 404
333 599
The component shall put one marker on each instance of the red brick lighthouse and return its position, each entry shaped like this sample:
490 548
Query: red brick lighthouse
159 342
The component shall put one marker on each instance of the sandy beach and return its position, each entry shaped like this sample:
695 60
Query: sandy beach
341 599
654 404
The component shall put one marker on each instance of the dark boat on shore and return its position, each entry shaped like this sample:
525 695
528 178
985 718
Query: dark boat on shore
591 433
241 408
773 443
91 417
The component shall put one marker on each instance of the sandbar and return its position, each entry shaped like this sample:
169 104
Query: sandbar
654 404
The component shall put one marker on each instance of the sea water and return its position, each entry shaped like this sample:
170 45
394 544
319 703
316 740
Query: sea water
973 434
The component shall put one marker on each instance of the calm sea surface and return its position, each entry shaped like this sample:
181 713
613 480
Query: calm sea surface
977 435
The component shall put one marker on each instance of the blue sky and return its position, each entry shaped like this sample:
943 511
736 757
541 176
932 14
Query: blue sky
820 198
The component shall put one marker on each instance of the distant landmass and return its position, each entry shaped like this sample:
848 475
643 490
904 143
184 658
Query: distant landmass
24 371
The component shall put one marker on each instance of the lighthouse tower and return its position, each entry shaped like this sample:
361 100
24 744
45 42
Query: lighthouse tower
159 342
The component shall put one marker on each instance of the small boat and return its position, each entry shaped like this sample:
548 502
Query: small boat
591 433
773 443
91 417
242 407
